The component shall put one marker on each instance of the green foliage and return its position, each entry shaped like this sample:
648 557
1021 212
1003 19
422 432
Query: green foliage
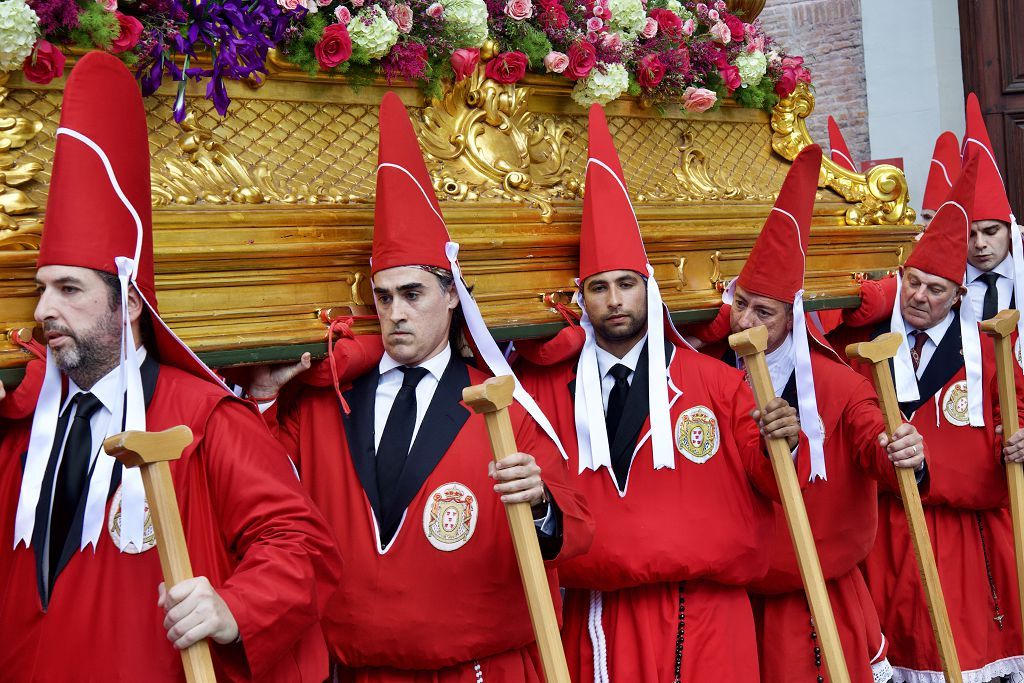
300 50
96 27
634 86
528 39
760 96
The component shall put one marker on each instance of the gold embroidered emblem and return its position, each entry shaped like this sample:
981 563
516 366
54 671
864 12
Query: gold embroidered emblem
449 517
114 527
955 406
697 435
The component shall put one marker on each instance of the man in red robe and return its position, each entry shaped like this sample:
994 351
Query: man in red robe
946 384
431 590
263 558
849 451
942 173
670 462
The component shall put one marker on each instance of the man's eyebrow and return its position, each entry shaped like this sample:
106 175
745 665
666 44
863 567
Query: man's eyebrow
408 287
67 280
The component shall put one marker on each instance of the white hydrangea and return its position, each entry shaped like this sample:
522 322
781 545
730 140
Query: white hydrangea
373 32
628 16
675 6
753 66
601 87
19 29
466 22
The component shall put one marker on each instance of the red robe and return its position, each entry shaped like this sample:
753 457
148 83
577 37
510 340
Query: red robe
250 529
967 490
425 608
699 526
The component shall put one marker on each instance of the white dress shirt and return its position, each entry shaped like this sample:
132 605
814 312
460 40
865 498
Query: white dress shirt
606 361
935 335
391 377
1004 285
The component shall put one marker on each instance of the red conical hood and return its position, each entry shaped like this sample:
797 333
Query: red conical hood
609 235
408 229
990 201
943 171
776 264
942 250
839 153
102 147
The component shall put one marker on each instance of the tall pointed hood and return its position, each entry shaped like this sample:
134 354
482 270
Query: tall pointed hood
98 216
610 239
990 200
776 268
839 152
942 251
943 171
410 231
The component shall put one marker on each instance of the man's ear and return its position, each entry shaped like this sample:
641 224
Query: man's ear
453 298
135 304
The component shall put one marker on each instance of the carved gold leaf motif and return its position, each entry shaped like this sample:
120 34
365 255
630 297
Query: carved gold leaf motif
16 130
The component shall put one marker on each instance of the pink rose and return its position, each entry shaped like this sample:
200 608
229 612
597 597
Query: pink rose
721 33
464 61
582 59
401 14
109 5
650 28
342 14
669 23
507 67
713 15
519 9
650 71
334 47
554 17
44 63
731 75
756 44
698 99
786 84
555 62
735 25
602 12
612 41
701 7
131 31
290 5
357 3
324 3
720 5
435 11
689 26
594 24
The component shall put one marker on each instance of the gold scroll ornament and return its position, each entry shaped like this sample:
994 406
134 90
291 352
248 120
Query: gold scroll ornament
16 130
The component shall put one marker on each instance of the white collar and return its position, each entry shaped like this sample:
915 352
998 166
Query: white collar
606 361
435 365
781 363
936 332
1004 269
108 389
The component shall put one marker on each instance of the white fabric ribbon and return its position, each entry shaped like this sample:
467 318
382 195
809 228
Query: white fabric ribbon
1017 250
489 350
904 375
807 402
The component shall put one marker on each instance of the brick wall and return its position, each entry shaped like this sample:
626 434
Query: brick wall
828 34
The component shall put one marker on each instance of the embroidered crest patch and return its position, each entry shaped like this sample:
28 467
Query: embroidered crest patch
114 527
449 517
954 405
697 436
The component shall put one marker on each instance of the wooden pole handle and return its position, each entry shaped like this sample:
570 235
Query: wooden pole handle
1000 328
750 345
878 353
150 452
492 399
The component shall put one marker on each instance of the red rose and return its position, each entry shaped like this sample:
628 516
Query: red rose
735 25
582 59
464 61
508 67
731 75
45 63
553 17
786 83
334 47
650 71
131 31
669 23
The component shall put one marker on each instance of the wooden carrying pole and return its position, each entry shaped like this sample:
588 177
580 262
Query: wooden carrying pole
1000 328
878 353
150 451
492 399
750 345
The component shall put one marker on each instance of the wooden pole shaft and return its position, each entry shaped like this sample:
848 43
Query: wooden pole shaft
524 539
918 531
1014 470
800 530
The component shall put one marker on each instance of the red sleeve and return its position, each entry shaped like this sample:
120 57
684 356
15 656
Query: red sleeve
877 298
1018 380
710 331
20 402
863 422
282 420
288 565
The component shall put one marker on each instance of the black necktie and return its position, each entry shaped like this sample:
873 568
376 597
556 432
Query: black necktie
616 400
72 477
990 305
397 437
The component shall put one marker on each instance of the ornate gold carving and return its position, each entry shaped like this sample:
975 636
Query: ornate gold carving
695 181
482 142
717 281
881 195
16 130
681 273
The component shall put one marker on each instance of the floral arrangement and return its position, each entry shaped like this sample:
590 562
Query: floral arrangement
664 51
